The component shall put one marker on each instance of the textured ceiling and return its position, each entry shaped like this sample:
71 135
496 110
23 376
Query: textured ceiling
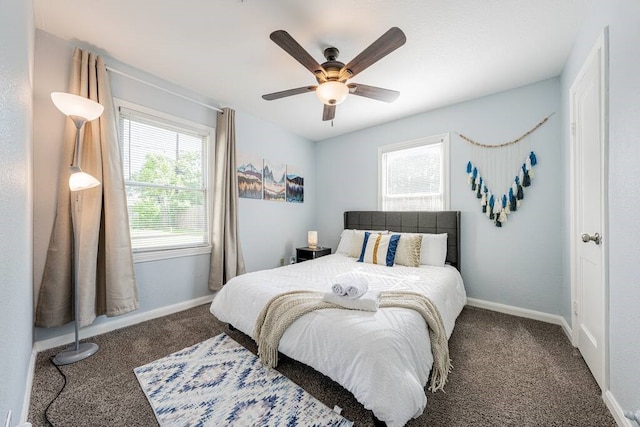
456 49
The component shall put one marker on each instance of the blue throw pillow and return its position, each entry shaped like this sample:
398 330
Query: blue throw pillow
379 249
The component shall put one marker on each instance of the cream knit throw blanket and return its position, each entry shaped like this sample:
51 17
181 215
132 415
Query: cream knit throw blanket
282 310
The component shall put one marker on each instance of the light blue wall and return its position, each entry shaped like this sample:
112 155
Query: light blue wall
16 71
271 230
519 264
623 19
268 230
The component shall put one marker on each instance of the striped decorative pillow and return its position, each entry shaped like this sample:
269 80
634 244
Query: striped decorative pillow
357 241
408 252
379 249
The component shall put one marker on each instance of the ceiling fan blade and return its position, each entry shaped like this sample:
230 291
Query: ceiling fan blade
373 92
293 48
289 92
387 43
329 112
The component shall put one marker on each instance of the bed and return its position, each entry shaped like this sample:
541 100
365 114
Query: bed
382 357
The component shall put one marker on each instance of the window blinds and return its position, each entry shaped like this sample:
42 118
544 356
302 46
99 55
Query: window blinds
165 173
413 178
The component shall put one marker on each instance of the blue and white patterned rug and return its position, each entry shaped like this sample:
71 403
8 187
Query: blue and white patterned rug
220 383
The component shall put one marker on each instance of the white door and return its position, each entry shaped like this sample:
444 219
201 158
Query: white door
588 96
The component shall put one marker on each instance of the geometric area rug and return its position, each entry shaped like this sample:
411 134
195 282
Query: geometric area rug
218 382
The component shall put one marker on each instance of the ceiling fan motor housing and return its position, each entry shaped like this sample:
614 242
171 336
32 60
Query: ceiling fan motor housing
334 69
331 53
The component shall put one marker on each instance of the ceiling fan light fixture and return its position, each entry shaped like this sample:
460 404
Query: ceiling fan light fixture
332 92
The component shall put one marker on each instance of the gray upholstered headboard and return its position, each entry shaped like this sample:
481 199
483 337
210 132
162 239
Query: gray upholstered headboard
412 222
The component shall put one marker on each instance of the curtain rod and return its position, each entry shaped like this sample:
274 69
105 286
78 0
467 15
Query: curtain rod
179 95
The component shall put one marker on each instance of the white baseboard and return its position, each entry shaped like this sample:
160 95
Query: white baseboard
616 410
521 312
26 402
112 325
567 330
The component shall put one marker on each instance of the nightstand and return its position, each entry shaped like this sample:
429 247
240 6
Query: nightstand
306 253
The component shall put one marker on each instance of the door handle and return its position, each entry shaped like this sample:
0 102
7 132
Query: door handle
587 238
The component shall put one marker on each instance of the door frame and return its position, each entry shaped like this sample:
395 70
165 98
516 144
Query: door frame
601 47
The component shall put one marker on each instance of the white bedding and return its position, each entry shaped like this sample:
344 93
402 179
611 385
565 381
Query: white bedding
383 357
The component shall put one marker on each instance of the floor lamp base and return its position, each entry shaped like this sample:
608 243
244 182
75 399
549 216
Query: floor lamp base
72 355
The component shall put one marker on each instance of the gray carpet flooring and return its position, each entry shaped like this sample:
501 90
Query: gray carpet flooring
508 371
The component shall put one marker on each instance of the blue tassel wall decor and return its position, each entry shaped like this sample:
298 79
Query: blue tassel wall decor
491 204
513 203
506 204
479 193
526 182
497 208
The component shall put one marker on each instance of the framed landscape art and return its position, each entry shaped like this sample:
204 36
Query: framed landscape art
295 184
249 170
274 175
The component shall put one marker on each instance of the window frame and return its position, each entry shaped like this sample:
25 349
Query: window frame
443 139
208 154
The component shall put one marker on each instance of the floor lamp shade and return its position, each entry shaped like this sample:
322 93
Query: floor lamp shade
79 180
80 110
77 106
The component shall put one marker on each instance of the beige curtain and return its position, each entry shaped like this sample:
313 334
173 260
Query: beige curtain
226 252
106 275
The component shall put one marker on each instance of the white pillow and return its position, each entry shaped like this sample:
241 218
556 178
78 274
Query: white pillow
345 242
434 249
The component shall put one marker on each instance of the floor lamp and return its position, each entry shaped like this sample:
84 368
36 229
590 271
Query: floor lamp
80 110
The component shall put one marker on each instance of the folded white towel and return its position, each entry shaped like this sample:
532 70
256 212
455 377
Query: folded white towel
338 289
357 289
367 302
350 284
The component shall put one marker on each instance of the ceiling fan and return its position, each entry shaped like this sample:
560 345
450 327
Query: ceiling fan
332 75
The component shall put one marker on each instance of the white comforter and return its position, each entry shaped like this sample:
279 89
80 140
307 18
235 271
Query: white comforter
383 357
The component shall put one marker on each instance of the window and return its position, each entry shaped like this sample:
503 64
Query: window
166 169
414 175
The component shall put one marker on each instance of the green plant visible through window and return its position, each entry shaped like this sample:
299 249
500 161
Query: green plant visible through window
161 206
165 178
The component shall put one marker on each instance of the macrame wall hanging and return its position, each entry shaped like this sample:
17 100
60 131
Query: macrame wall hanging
499 174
